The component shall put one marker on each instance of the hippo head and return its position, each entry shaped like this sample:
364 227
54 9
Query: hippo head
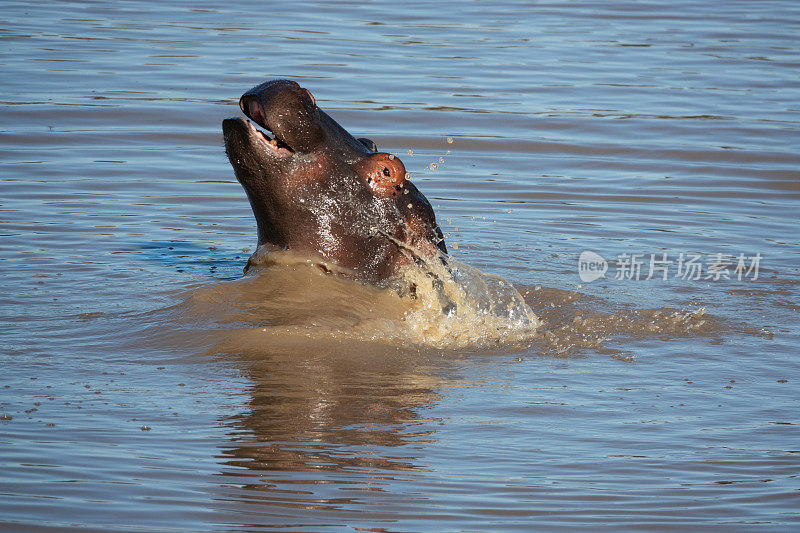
318 191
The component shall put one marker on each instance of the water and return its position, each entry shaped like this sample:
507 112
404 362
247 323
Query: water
147 386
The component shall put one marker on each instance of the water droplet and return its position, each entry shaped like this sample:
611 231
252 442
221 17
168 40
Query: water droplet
449 140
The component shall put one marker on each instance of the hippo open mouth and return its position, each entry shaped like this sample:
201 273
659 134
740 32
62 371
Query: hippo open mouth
272 145
317 190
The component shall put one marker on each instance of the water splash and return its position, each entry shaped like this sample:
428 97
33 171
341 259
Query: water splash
440 303
459 306
295 304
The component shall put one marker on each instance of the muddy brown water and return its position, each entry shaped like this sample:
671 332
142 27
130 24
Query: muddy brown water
147 386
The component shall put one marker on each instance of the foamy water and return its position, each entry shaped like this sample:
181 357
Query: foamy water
452 306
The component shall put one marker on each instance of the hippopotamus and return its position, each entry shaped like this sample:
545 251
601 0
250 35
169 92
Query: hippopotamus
319 192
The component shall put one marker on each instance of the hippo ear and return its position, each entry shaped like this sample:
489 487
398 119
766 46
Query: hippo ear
369 143
383 173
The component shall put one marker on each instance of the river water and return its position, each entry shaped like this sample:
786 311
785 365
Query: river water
148 386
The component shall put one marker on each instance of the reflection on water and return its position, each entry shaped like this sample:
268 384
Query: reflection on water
330 413
147 385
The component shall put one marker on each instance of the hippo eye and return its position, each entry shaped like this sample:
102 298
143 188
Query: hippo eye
386 172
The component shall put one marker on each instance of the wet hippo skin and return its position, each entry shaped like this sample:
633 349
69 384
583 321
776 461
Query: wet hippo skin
318 191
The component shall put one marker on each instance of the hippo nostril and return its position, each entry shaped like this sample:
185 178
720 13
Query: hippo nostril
386 172
252 108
